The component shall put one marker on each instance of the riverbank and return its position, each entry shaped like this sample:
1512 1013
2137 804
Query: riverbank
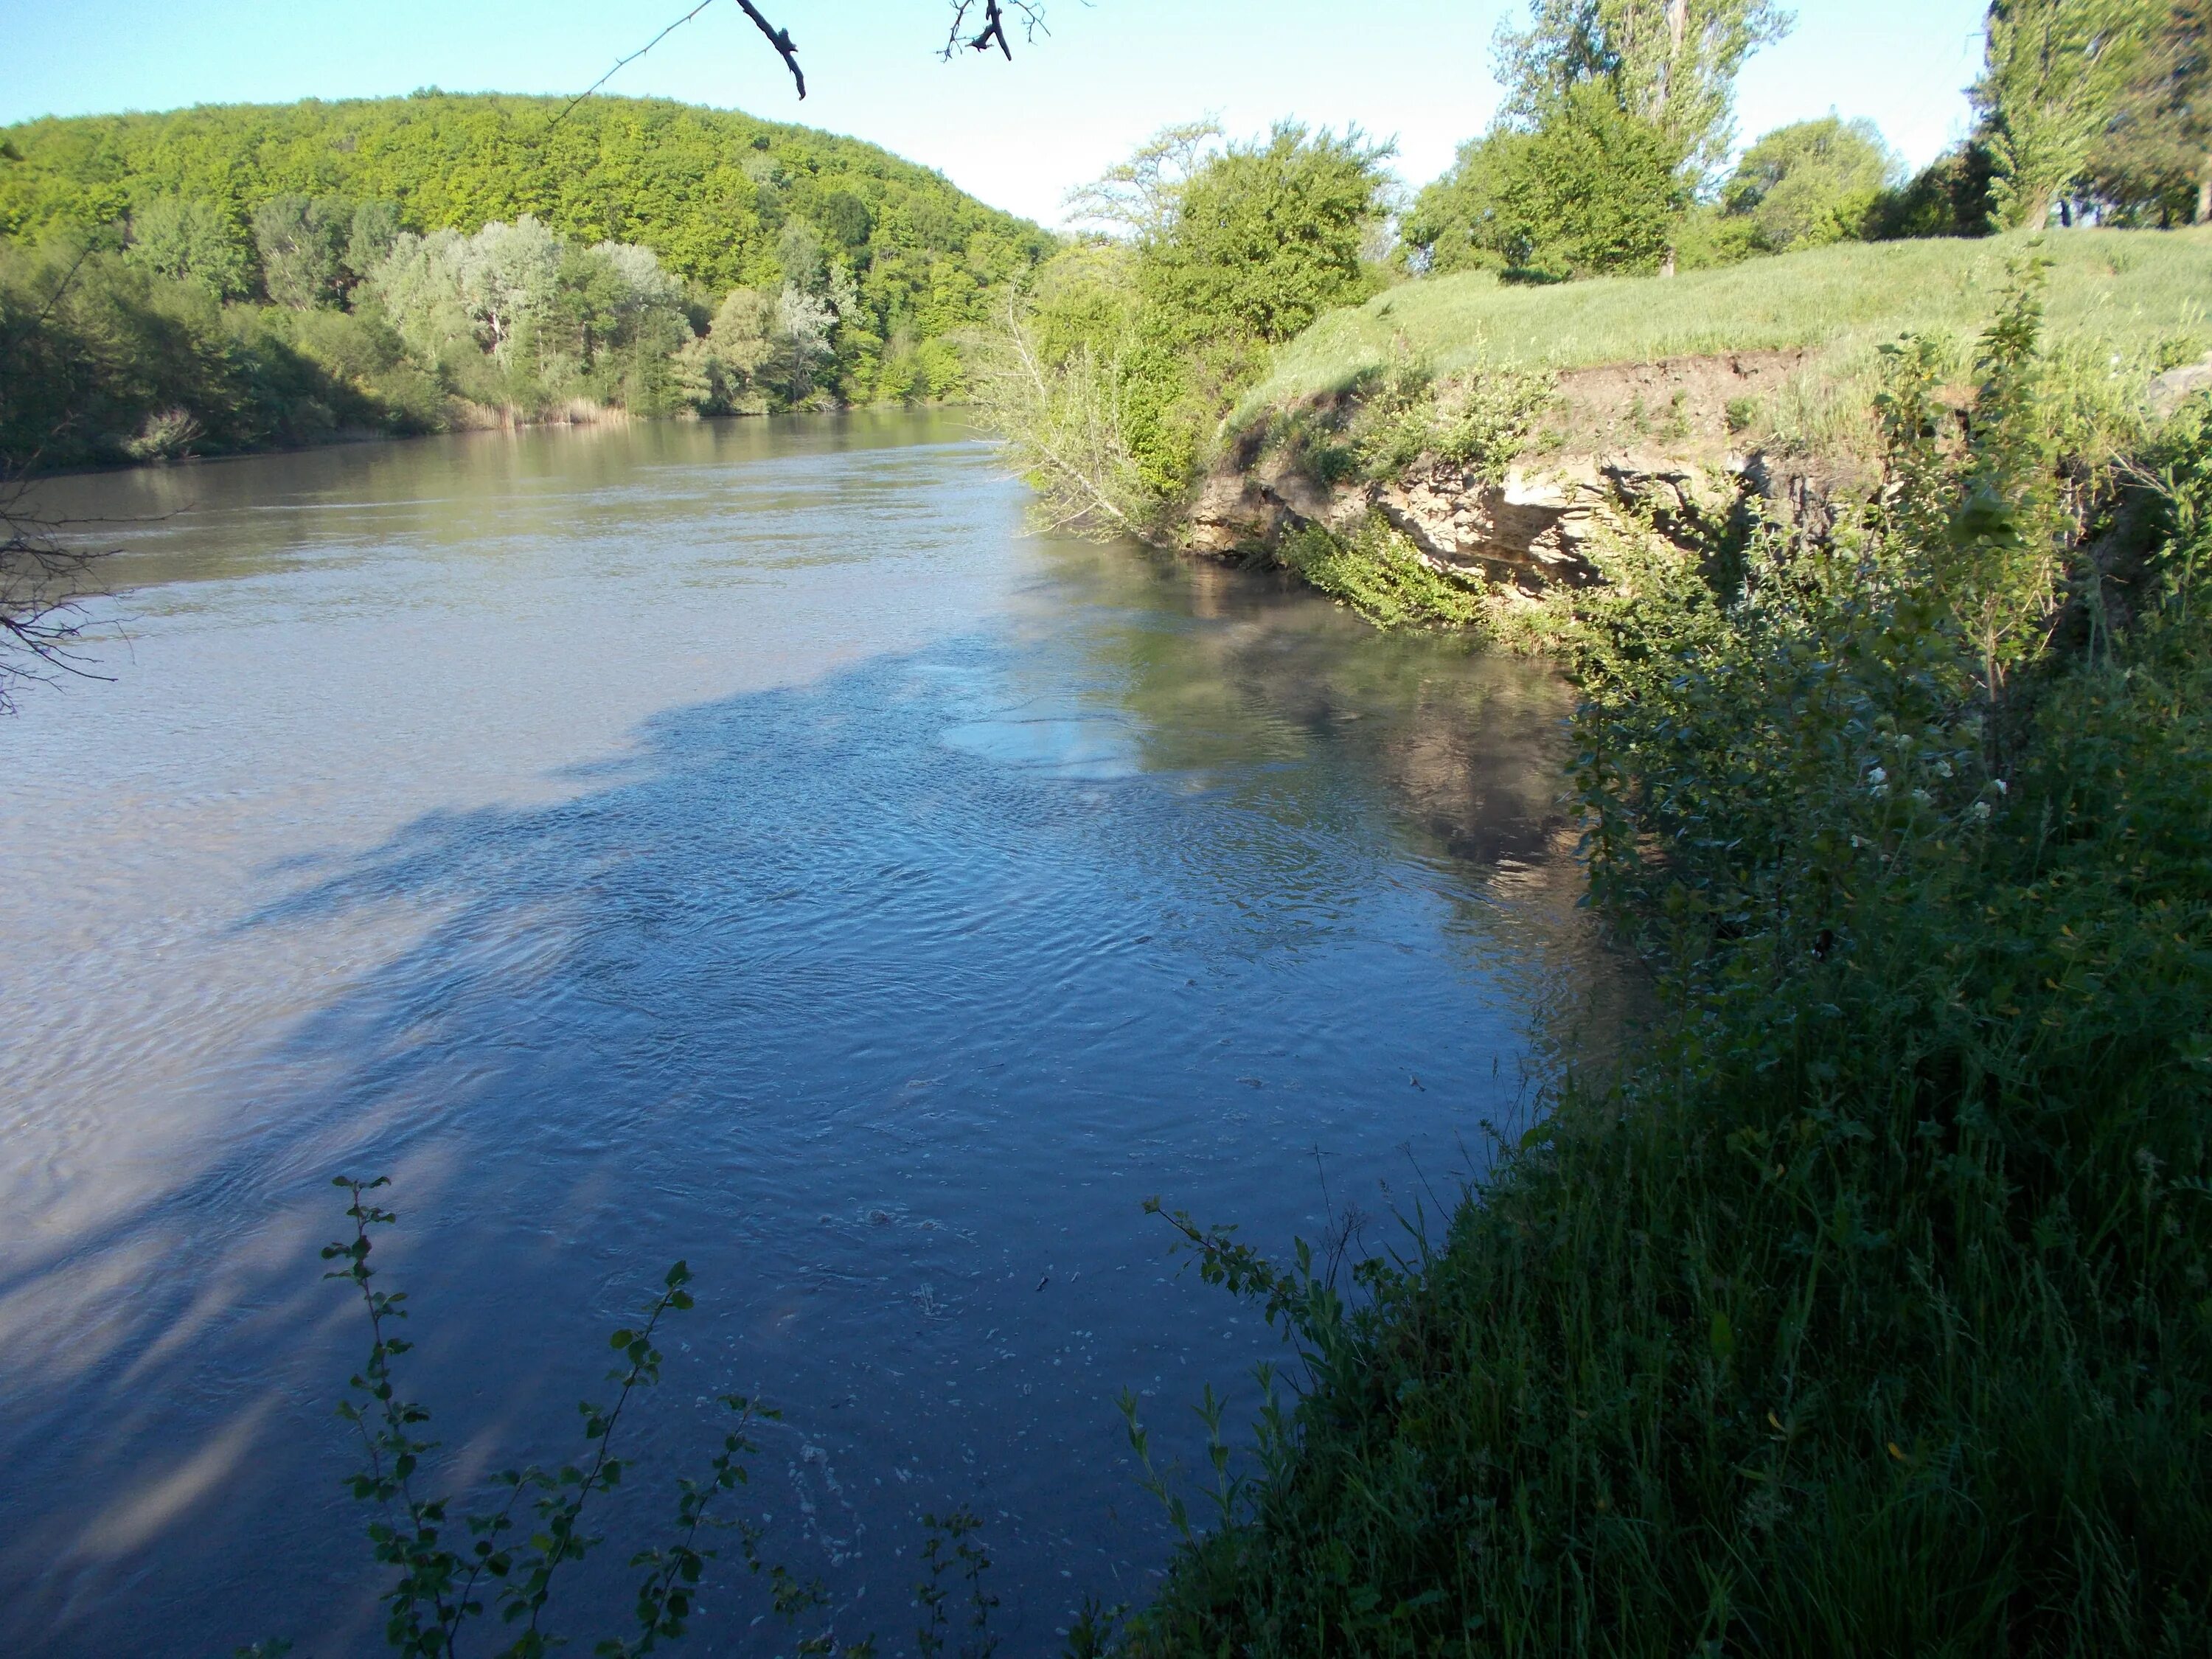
1490 431
1867 1312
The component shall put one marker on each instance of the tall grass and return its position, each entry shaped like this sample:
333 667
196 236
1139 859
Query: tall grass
1870 1311
2143 295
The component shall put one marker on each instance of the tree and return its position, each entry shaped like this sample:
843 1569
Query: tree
1811 182
192 241
2153 163
1268 236
1593 191
302 242
1949 196
1138 197
2053 77
1671 63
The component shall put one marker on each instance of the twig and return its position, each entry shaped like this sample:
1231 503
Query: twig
780 38
994 32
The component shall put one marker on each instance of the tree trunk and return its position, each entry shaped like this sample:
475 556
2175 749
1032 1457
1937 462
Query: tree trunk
2205 194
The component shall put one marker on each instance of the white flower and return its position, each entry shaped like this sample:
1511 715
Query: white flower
1877 778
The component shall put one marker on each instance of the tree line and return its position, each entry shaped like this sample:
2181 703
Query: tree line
1607 154
225 278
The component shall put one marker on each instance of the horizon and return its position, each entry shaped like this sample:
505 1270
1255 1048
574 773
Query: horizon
1108 75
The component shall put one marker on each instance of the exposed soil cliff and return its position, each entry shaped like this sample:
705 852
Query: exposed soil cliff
1651 437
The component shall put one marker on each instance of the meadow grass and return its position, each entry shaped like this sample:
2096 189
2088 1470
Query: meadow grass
2141 295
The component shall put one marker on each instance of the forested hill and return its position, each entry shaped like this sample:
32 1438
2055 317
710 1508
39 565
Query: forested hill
710 190
232 277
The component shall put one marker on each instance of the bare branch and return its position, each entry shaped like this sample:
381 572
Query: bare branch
993 31
623 63
43 589
780 38
1064 424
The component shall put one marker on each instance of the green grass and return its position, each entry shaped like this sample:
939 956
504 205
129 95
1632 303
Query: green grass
2143 295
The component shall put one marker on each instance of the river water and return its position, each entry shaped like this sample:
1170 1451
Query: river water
733 841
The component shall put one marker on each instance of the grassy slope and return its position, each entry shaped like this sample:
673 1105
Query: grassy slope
2133 292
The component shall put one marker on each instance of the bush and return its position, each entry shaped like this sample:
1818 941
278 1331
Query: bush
1810 184
1592 190
1378 573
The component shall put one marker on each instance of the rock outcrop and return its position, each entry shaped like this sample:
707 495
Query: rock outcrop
1650 438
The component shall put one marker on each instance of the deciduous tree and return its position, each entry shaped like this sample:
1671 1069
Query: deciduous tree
1672 62
2053 77
1811 182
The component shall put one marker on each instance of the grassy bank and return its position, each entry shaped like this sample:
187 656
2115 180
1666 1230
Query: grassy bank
2131 292
1870 1311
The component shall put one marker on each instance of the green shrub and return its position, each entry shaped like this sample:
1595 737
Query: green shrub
447 1564
1480 422
1378 573
1592 190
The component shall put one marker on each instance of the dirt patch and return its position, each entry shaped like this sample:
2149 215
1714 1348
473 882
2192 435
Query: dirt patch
1677 406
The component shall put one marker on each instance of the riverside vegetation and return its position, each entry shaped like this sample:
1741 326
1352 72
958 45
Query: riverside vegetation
1869 1310
1872 1312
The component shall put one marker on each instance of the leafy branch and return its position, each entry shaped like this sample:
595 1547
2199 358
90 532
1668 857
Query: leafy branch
439 1589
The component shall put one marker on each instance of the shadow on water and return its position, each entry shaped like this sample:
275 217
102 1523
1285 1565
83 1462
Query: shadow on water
884 999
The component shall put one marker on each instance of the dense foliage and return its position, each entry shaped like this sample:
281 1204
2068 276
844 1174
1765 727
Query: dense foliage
225 278
710 191
1809 183
103 360
1111 382
2152 165
1593 189
1604 158
1671 63
1866 1311
2053 77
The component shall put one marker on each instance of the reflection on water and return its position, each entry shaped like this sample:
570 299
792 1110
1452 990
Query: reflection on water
732 841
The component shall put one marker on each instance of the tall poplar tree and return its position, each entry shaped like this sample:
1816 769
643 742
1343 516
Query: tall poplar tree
2054 74
1671 63
2153 165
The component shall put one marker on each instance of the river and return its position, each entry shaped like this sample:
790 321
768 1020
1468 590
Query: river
735 841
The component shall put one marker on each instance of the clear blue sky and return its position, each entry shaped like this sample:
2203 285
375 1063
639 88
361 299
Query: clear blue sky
1018 134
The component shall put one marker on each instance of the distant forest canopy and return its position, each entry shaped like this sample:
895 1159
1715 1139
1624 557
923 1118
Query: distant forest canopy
226 278
708 190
